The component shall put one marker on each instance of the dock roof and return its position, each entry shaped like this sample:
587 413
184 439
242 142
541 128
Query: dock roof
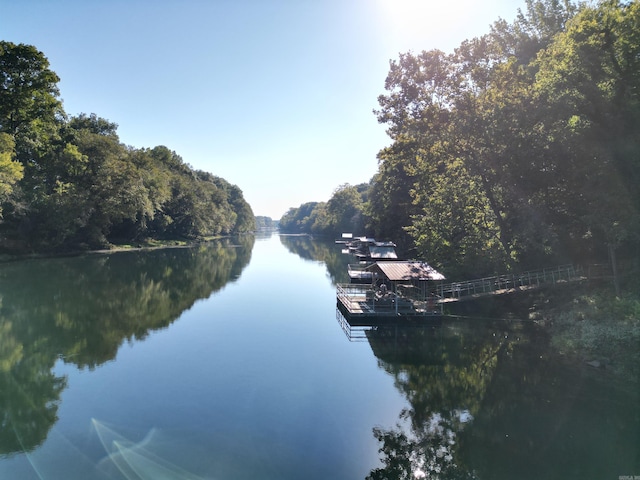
407 270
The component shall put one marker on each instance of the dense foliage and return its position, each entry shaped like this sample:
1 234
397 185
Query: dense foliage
69 183
265 223
519 148
344 212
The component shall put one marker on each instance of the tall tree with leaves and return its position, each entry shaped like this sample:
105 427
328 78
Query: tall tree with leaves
10 170
345 210
470 122
29 90
30 108
589 84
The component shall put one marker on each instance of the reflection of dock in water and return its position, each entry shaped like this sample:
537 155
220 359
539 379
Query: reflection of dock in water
356 328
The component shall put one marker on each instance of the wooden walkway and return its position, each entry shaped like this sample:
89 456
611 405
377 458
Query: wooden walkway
502 284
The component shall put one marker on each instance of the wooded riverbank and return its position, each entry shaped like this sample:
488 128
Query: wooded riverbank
598 329
586 323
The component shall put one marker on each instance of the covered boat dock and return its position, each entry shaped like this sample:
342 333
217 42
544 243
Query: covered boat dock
396 288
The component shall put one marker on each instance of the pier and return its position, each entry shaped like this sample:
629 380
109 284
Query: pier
366 301
510 283
363 303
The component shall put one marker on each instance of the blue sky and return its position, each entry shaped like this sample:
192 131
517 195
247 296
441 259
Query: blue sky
275 96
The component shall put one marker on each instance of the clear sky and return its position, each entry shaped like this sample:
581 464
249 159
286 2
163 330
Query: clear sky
275 96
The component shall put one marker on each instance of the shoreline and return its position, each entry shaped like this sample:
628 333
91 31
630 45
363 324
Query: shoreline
115 248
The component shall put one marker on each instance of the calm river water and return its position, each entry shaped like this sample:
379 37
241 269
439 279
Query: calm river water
228 361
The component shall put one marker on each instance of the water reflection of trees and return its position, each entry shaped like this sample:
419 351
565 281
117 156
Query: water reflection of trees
323 250
29 396
487 401
444 374
82 309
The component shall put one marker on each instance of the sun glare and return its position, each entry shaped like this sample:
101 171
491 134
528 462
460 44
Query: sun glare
427 24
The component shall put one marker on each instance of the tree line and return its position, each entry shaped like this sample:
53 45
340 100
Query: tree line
519 148
266 223
69 183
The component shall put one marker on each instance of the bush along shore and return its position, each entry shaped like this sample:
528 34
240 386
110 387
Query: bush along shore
596 327
585 322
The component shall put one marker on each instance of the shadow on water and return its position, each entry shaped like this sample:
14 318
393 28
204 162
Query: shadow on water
487 399
80 310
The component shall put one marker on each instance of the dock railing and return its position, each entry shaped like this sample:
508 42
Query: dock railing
355 296
363 299
504 283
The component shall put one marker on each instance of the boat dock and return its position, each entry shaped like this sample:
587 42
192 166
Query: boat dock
394 289
366 301
427 297
385 287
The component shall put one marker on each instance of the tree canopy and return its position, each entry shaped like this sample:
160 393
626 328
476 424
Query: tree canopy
344 212
520 148
69 183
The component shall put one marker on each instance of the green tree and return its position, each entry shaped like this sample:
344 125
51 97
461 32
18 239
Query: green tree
468 169
265 223
345 210
10 170
30 109
458 227
29 93
301 219
245 219
98 176
588 84
390 206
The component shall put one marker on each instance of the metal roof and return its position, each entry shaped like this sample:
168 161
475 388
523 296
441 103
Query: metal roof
409 270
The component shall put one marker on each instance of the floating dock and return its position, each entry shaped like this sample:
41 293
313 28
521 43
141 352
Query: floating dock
390 289
366 303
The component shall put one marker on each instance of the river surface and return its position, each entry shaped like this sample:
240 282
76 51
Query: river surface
230 361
